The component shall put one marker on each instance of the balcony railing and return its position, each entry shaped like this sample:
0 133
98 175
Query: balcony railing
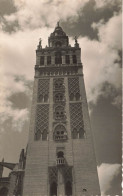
60 161
60 137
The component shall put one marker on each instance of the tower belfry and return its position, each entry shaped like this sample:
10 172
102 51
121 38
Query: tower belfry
60 154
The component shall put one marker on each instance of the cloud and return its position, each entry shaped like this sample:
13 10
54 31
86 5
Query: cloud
42 13
104 3
9 85
107 173
101 57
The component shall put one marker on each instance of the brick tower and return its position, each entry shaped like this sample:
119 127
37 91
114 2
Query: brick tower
60 153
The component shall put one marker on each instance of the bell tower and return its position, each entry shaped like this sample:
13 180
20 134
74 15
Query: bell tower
60 154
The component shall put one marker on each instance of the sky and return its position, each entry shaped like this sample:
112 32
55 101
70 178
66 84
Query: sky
97 24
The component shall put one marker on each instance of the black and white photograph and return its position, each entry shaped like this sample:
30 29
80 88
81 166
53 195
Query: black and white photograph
60 97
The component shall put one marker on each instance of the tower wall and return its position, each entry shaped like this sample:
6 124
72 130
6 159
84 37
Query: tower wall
60 153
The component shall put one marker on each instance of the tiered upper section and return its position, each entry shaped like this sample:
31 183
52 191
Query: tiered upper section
58 58
58 38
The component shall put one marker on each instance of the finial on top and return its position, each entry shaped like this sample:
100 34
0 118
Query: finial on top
39 45
76 39
58 24
40 40
76 42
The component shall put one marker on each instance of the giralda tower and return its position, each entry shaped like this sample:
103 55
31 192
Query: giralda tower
60 154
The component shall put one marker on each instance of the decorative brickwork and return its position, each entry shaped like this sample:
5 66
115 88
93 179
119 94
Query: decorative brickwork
58 84
53 174
67 171
73 85
42 119
77 125
60 133
43 90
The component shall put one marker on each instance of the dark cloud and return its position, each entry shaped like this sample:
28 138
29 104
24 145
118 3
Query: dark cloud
106 124
88 15
6 7
20 100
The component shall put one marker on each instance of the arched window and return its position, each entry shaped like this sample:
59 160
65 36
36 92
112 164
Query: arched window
71 97
81 133
59 112
60 154
60 133
77 96
59 97
60 158
42 60
40 98
68 189
58 58
67 59
48 60
74 59
45 98
3 191
53 189
44 135
38 135
74 134
58 84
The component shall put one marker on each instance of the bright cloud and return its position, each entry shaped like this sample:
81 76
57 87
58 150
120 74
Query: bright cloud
100 57
107 173
37 14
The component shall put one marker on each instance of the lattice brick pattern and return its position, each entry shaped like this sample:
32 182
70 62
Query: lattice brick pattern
53 174
43 89
67 171
76 115
42 118
73 85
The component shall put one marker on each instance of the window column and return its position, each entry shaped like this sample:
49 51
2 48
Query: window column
71 59
63 59
45 60
53 59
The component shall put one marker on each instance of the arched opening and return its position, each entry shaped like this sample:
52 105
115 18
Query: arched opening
58 58
59 112
74 134
59 97
45 98
81 133
38 135
71 97
60 154
53 189
3 191
48 60
68 189
67 57
74 59
40 98
77 96
58 84
42 60
44 135
60 133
